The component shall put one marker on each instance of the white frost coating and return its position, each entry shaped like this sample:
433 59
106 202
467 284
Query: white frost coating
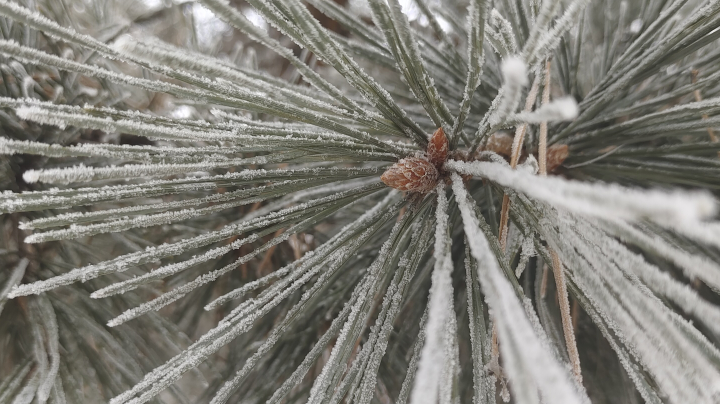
550 38
239 321
41 23
319 253
334 263
31 55
667 345
515 71
165 271
500 30
56 198
82 173
664 343
391 306
604 200
63 119
166 217
26 395
237 19
13 280
329 51
705 232
155 51
526 360
227 330
562 109
393 23
246 131
433 357
660 282
350 332
480 344
311 357
126 261
183 290
527 251
78 218
515 79
693 266
219 91
636 26
412 366
673 352
148 154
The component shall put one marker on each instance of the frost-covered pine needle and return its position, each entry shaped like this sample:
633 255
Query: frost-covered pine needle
194 207
433 357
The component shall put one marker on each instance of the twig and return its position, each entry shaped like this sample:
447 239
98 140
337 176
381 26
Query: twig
517 147
567 321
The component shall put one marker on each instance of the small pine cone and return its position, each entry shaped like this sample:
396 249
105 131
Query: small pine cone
413 174
556 155
437 150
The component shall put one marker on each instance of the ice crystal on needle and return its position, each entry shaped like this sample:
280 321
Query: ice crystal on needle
359 201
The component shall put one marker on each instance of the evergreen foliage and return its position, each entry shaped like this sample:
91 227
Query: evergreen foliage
466 201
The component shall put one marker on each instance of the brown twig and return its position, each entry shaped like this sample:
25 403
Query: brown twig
567 322
564 303
517 148
575 314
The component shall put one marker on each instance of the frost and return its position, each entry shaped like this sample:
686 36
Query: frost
237 322
603 200
658 281
377 343
550 38
527 251
333 144
82 173
28 201
515 72
350 332
13 280
440 309
642 323
501 35
563 109
515 79
124 262
529 365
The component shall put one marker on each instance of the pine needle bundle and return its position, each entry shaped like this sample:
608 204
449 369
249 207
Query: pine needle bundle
468 201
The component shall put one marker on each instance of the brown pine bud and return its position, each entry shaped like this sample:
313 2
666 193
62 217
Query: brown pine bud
437 150
556 155
413 174
500 143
